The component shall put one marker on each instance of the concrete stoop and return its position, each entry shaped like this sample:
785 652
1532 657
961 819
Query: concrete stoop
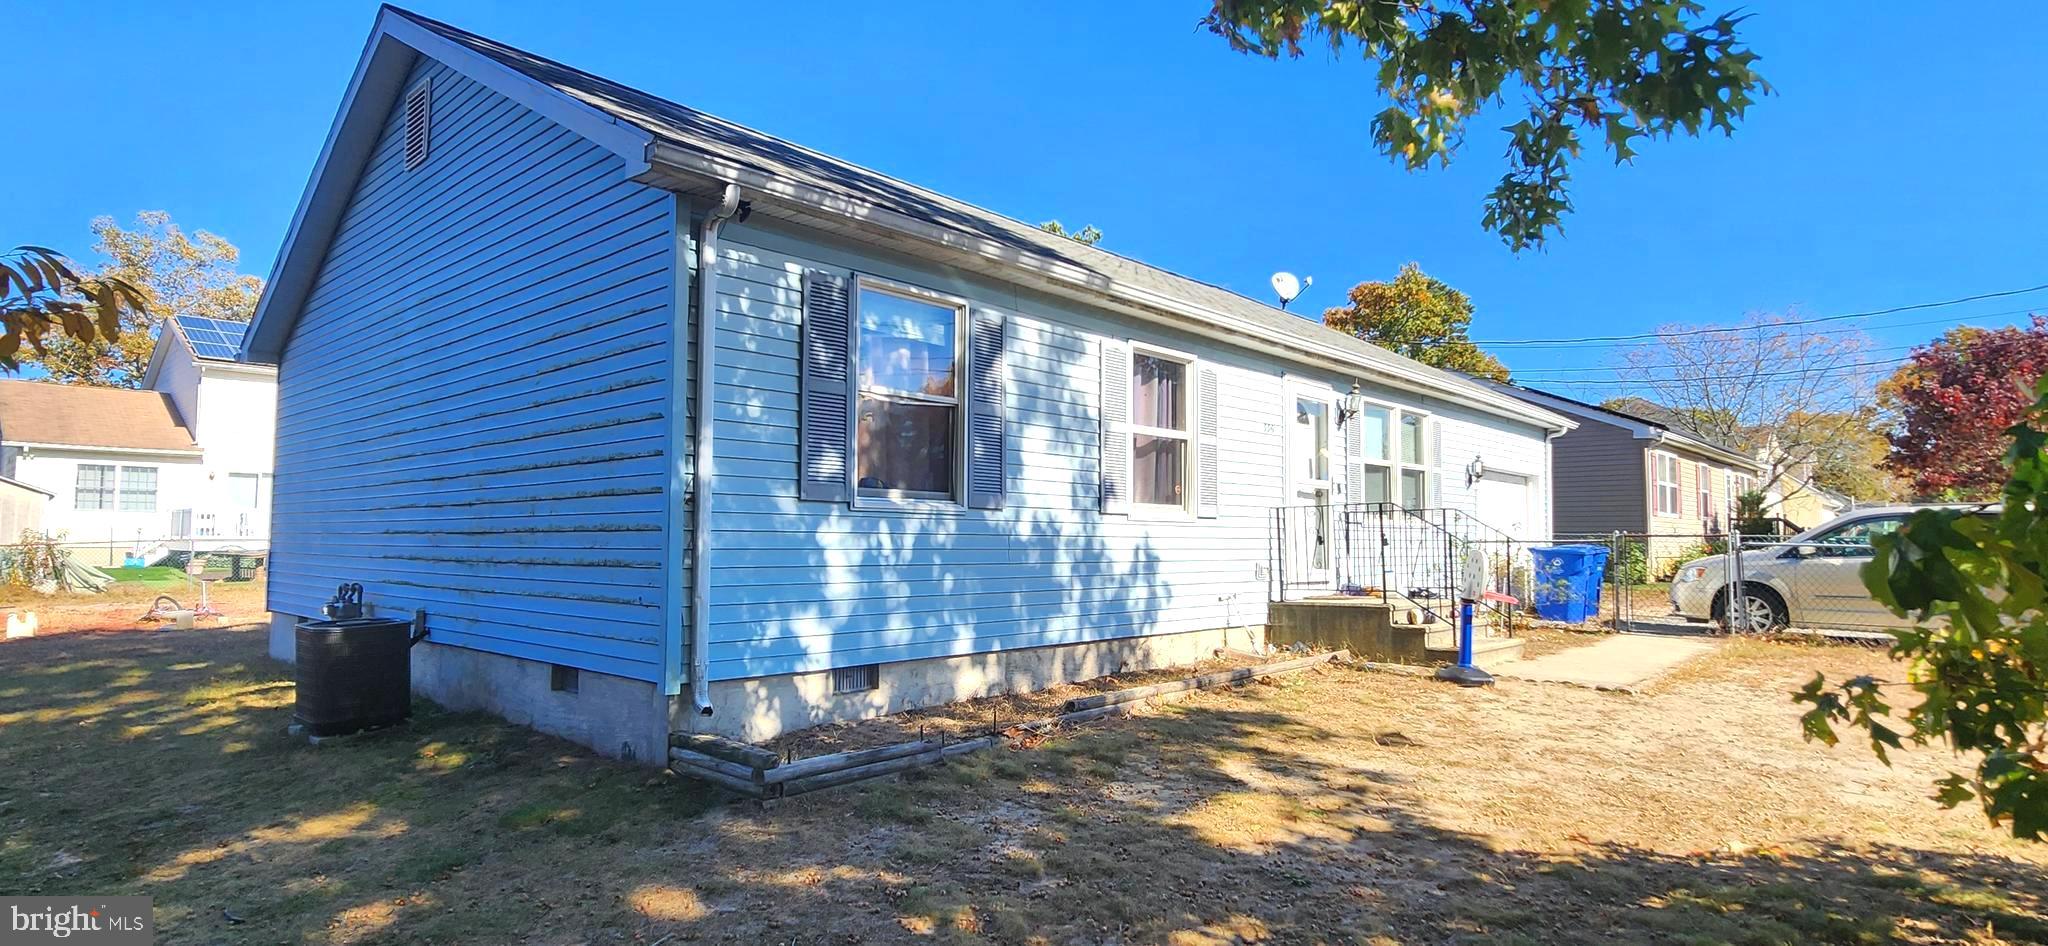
1396 632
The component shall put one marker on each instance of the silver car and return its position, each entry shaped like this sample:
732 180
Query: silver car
1812 579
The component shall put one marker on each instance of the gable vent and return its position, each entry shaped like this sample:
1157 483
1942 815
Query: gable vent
418 107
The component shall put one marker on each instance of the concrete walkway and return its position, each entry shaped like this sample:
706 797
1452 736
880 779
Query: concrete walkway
1622 662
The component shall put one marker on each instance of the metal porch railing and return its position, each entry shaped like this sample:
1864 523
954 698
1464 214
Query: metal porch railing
1390 552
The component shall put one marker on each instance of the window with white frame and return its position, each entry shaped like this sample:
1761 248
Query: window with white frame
94 488
245 490
1414 471
1669 497
907 369
1396 445
138 489
1160 442
1705 487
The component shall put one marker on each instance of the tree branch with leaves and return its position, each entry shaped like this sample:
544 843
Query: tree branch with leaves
42 294
1974 583
1611 71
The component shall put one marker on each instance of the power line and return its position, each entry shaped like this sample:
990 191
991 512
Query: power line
1947 320
1653 336
1761 375
1621 368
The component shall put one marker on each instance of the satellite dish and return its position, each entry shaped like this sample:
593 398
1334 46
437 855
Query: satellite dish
1288 287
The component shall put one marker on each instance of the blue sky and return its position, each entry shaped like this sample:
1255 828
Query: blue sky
1901 161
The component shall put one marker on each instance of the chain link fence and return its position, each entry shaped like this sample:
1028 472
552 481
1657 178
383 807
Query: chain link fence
1685 583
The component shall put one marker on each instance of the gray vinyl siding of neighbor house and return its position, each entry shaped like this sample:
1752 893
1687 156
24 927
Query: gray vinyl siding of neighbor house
475 399
1601 485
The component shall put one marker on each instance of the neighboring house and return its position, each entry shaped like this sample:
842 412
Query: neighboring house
1804 504
21 508
911 451
182 463
1630 473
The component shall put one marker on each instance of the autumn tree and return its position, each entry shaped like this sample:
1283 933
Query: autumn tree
1417 316
1598 73
1797 401
1087 235
175 274
1952 401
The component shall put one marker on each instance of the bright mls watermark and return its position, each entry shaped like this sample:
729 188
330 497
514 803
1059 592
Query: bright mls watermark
76 921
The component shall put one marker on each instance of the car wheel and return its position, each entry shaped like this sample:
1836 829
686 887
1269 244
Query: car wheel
1759 610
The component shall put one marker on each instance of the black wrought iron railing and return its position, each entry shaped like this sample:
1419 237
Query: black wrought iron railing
1391 552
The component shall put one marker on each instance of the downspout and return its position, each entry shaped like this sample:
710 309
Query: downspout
702 466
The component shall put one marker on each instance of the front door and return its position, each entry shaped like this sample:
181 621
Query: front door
1312 547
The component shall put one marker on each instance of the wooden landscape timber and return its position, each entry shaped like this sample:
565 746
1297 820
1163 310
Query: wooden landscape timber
758 773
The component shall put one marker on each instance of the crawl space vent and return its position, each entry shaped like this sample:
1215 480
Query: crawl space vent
418 107
856 679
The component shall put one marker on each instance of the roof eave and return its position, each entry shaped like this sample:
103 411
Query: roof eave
690 171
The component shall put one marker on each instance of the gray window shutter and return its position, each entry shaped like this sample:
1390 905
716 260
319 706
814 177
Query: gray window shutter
1208 492
986 460
826 404
1115 400
1354 458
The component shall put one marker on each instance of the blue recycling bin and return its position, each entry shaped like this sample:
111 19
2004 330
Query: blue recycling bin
1568 579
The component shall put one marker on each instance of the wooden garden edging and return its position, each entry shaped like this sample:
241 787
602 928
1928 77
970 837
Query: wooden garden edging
759 773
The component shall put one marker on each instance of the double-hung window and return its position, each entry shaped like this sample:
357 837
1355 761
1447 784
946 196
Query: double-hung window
138 489
907 414
103 486
94 488
1414 471
1395 448
1709 513
1160 442
1669 497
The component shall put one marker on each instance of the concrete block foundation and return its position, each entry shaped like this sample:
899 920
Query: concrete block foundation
619 717
631 719
766 707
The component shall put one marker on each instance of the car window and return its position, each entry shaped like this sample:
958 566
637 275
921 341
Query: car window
1853 540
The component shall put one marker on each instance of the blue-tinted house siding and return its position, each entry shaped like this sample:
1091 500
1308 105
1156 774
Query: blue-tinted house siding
476 400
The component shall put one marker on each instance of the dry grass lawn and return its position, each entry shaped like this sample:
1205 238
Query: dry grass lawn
1338 806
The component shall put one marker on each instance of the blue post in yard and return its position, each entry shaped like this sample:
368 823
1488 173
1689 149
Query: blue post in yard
1465 633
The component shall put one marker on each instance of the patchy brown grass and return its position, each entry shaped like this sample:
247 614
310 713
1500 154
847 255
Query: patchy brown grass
1337 806
121 606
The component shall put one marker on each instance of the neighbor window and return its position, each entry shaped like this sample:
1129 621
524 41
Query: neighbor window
95 487
907 420
138 489
1705 476
1159 429
243 490
1396 441
1668 498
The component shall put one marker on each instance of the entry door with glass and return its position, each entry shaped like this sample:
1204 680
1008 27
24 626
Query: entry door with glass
1311 490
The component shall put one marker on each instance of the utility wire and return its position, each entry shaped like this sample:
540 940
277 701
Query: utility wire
1947 320
1507 342
1621 368
1788 372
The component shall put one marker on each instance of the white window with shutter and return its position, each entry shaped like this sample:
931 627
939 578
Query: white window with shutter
1161 432
902 393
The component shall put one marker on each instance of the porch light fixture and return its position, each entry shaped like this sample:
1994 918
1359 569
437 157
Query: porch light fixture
1474 470
1351 405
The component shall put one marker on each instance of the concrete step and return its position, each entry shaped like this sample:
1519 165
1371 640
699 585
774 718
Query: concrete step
1485 650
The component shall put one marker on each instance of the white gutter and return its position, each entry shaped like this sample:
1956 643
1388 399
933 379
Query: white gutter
31 445
701 456
1066 276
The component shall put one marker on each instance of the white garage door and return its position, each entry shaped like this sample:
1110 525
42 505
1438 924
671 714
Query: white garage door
1504 504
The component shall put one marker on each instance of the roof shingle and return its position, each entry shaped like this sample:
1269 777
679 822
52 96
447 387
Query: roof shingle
78 415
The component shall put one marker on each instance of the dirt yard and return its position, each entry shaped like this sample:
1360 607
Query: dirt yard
1337 806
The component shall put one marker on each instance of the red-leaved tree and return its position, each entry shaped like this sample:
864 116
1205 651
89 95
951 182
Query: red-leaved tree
1952 403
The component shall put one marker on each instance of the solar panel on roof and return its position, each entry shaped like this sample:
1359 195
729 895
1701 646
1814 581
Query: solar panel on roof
212 338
